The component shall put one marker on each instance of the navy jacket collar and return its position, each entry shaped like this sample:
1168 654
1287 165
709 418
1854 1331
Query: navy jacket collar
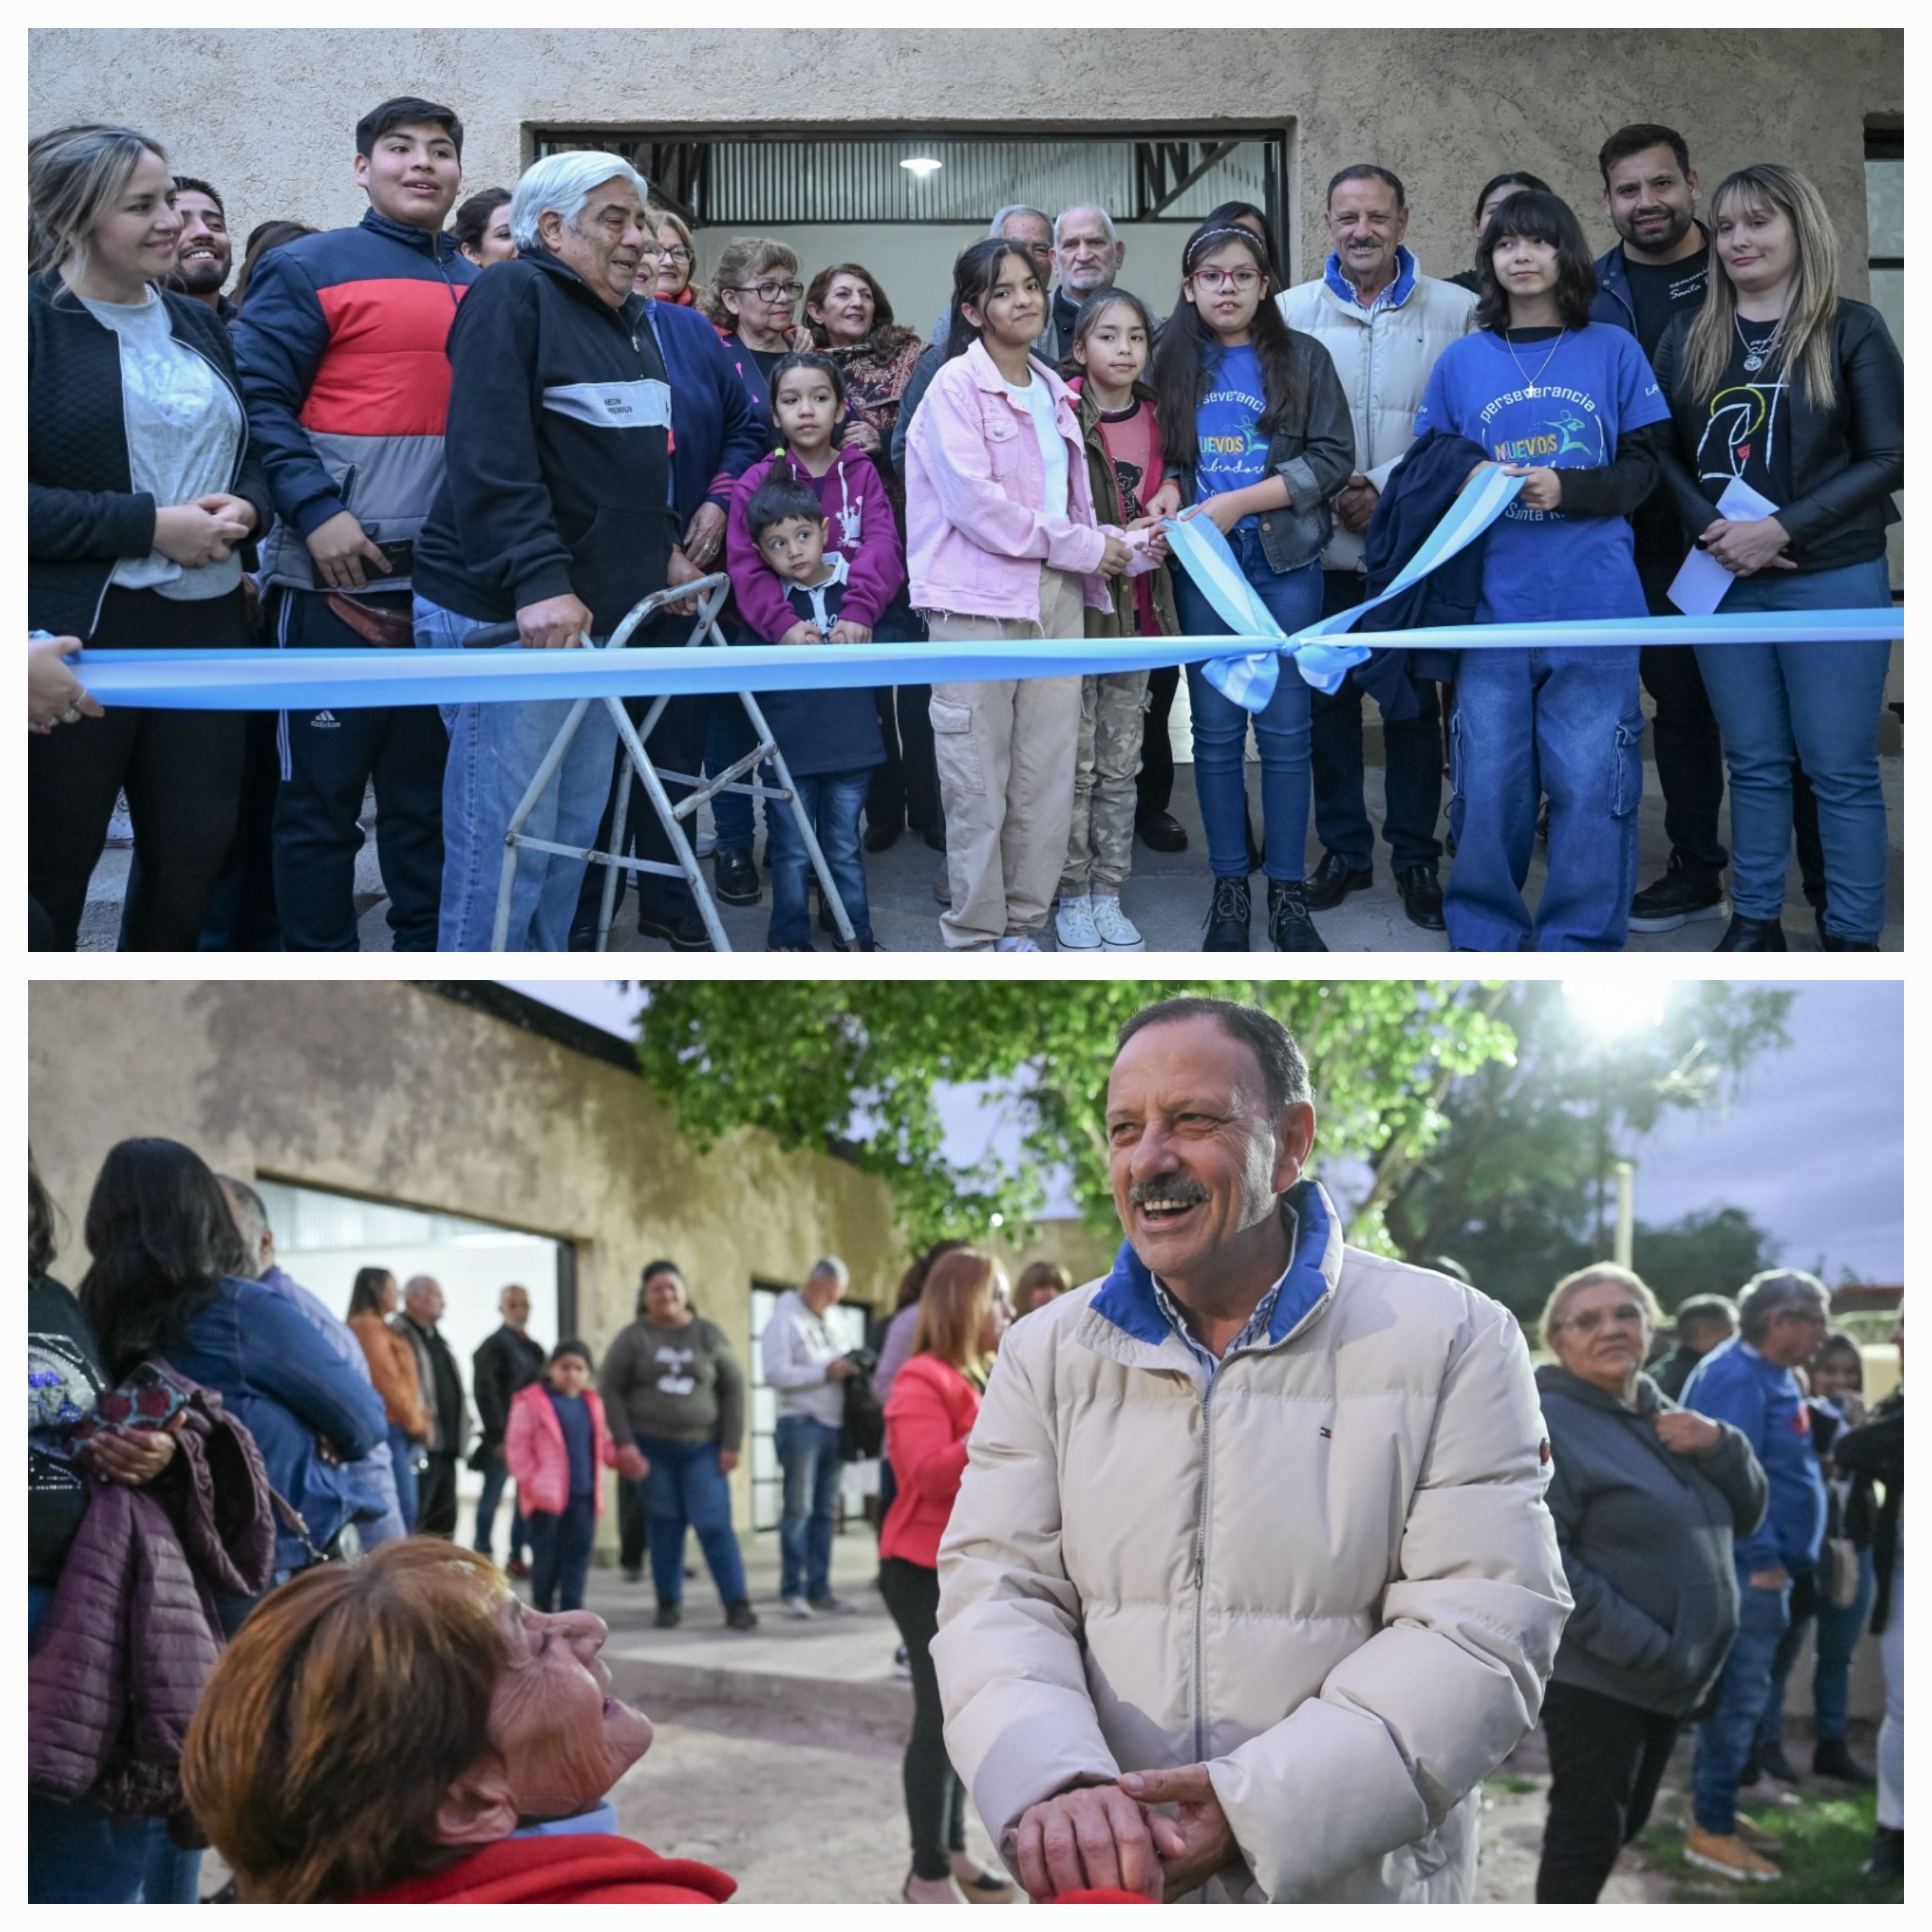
1126 1297
440 245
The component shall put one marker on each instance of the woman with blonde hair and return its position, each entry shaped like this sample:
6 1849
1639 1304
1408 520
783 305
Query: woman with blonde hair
752 301
677 264
1779 383
963 1312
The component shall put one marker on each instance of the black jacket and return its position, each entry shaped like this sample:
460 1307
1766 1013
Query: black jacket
1875 1453
506 1362
441 1382
1646 1536
1845 461
83 512
557 450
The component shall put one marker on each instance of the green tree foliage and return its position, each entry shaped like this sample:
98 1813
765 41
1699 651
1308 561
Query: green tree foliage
1714 1252
854 1063
1513 1184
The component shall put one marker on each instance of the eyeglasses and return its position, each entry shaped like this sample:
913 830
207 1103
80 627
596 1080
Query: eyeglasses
770 292
649 248
675 254
1628 1316
1243 279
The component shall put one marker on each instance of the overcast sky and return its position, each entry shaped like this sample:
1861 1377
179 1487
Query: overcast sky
1814 1148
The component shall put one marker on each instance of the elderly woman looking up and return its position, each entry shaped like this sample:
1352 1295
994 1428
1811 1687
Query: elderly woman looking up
404 1731
1647 1498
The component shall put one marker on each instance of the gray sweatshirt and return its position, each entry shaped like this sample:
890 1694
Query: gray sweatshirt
797 1346
681 1384
1645 1535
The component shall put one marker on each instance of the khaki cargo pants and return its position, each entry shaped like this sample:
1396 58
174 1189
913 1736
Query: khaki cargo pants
1005 752
1100 839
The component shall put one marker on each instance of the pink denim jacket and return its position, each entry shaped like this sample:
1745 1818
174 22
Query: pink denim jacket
974 542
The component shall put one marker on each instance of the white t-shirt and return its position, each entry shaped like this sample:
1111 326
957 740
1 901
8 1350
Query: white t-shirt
184 431
1036 399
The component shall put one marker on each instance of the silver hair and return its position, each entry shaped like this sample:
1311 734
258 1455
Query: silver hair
424 1281
1770 1294
563 185
831 1269
1082 208
996 228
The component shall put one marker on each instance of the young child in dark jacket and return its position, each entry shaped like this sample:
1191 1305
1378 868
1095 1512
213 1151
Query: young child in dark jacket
830 739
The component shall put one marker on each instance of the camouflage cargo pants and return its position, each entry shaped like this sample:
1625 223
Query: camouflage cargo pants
1100 843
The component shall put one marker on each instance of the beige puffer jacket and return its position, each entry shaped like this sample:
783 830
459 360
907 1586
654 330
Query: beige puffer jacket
1329 1575
1384 359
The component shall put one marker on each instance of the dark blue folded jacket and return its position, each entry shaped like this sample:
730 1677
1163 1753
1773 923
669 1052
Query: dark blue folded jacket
1734 1383
278 1377
1415 498
718 429
822 733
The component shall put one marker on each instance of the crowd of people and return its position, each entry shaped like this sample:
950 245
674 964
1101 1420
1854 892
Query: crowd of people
408 431
251 1625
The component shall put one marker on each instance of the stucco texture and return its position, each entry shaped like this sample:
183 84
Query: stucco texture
267 114
380 1089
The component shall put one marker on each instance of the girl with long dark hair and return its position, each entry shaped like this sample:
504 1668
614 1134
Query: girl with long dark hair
169 1280
1001 542
1255 428
1780 382
1570 405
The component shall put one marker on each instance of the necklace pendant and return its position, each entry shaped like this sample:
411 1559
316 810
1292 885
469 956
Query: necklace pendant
1753 363
1531 391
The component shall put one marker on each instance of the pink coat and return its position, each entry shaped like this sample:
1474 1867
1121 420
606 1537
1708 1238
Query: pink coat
974 541
534 1449
863 533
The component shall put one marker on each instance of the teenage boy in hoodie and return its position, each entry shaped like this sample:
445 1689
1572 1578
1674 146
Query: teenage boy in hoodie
560 421
341 355
1661 263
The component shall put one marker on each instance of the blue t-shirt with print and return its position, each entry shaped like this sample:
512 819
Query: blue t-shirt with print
1233 453
1590 388
573 1416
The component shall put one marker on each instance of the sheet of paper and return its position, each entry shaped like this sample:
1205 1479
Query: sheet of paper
1699 588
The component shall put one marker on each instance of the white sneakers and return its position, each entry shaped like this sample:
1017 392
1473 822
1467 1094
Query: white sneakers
796 1606
1015 942
1096 924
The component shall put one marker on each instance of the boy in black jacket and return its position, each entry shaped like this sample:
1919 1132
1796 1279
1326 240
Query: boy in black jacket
830 739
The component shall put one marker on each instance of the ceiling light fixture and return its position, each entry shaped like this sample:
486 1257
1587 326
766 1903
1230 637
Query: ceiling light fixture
922 165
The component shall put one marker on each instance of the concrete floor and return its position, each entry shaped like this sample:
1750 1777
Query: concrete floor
1166 896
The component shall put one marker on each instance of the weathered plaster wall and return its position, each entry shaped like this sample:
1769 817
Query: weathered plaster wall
267 115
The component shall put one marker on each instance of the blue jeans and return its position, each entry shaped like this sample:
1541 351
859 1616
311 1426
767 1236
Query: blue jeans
560 1553
80 1854
727 739
1819 704
494 752
402 1460
1282 730
1724 1737
809 1459
1834 1633
686 1490
496 1480
1564 722
832 801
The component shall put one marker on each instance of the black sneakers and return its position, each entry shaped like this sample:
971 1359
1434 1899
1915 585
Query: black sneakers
1229 917
1289 927
1685 892
1334 880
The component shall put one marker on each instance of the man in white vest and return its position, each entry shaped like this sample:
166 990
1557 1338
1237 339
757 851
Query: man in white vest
1383 322
1253 1527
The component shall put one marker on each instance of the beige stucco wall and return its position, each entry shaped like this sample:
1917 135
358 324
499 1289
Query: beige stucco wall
380 1089
267 115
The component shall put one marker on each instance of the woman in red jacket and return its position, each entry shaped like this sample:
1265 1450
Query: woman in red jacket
556 1440
935 1399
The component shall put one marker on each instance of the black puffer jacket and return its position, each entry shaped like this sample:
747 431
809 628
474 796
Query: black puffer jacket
83 512
1646 1537
1845 461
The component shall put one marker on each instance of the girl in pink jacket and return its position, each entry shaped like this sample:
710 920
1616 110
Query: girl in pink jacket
1001 543
556 1441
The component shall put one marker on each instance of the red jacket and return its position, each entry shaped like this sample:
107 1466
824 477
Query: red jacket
931 1413
534 1450
586 1870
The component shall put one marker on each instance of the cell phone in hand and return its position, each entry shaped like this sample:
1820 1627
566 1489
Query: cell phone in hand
401 552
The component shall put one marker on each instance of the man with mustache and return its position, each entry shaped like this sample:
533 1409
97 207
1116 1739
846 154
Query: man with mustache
207 250
1250 1581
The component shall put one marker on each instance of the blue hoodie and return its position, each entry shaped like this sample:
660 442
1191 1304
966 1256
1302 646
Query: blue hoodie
1734 1383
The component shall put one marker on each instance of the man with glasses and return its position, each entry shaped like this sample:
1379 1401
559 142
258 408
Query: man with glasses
1747 1382
1384 323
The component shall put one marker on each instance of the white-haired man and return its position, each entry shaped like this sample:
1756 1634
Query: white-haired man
805 1361
557 511
1253 1527
1088 255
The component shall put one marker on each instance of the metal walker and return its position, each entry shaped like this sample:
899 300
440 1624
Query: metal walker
711 592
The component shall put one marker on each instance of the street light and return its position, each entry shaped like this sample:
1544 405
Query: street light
1609 1011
